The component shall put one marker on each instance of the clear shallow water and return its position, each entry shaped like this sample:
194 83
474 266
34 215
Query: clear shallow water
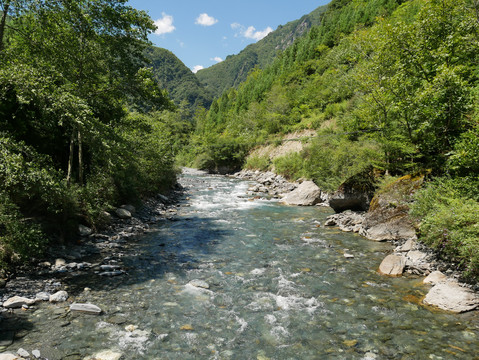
280 288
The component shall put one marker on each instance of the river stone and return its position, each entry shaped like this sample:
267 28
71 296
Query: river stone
392 265
306 194
406 247
123 213
86 308
450 296
105 355
23 353
434 278
129 208
199 284
9 356
36 353
43 296
59 296
17 302
84 230
60 262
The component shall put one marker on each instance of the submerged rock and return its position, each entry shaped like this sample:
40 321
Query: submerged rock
450 296
85 308
105 355
306 194
199 284
392 265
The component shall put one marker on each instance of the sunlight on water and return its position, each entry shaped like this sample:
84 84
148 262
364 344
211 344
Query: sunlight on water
241 278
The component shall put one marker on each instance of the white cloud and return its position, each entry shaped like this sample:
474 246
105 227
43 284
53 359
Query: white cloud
164 25
250 32
217 59
205 20
197 68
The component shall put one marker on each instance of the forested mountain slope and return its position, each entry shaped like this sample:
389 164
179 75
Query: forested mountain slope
177 78
235 68
390 84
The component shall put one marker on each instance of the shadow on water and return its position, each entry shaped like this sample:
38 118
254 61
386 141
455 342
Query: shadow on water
171 247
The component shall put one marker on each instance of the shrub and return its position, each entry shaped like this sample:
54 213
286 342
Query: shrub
20 239
261 163
449 223
290 166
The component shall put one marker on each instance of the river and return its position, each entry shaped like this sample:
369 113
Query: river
240 278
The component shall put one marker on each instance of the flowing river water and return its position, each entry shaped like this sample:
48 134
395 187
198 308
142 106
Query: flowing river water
280 287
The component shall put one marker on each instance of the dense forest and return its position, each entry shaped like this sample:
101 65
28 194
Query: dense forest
235 68
385 83
182 85
84 125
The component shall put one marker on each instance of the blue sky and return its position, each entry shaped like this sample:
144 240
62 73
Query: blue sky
202 33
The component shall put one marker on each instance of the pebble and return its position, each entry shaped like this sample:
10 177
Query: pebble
36 353
23 353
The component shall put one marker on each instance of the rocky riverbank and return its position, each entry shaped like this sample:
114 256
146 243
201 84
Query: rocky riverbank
66 274
386 220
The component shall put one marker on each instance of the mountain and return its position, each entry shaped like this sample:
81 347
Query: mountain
235 68
177 78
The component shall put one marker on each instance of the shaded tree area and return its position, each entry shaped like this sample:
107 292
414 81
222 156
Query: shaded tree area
83 123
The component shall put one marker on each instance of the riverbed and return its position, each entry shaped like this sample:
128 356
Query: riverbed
236 277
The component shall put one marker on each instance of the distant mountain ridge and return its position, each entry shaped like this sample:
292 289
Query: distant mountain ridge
177 78
235 68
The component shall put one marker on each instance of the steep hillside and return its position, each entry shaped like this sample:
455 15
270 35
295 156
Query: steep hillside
177 79
235 69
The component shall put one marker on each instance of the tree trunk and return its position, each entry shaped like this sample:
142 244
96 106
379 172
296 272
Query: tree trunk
3 21
80 158
70 158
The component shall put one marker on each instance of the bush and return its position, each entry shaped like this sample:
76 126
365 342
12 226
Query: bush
449 223
290 166
261 163
330 160
20 239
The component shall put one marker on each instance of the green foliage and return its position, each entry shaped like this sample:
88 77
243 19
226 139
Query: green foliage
235 68
20 239
290 166
177 79
68 148
329 161
449 223
261 163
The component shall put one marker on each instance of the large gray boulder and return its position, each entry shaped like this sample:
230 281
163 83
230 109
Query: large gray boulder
306 194
388 216
450 296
